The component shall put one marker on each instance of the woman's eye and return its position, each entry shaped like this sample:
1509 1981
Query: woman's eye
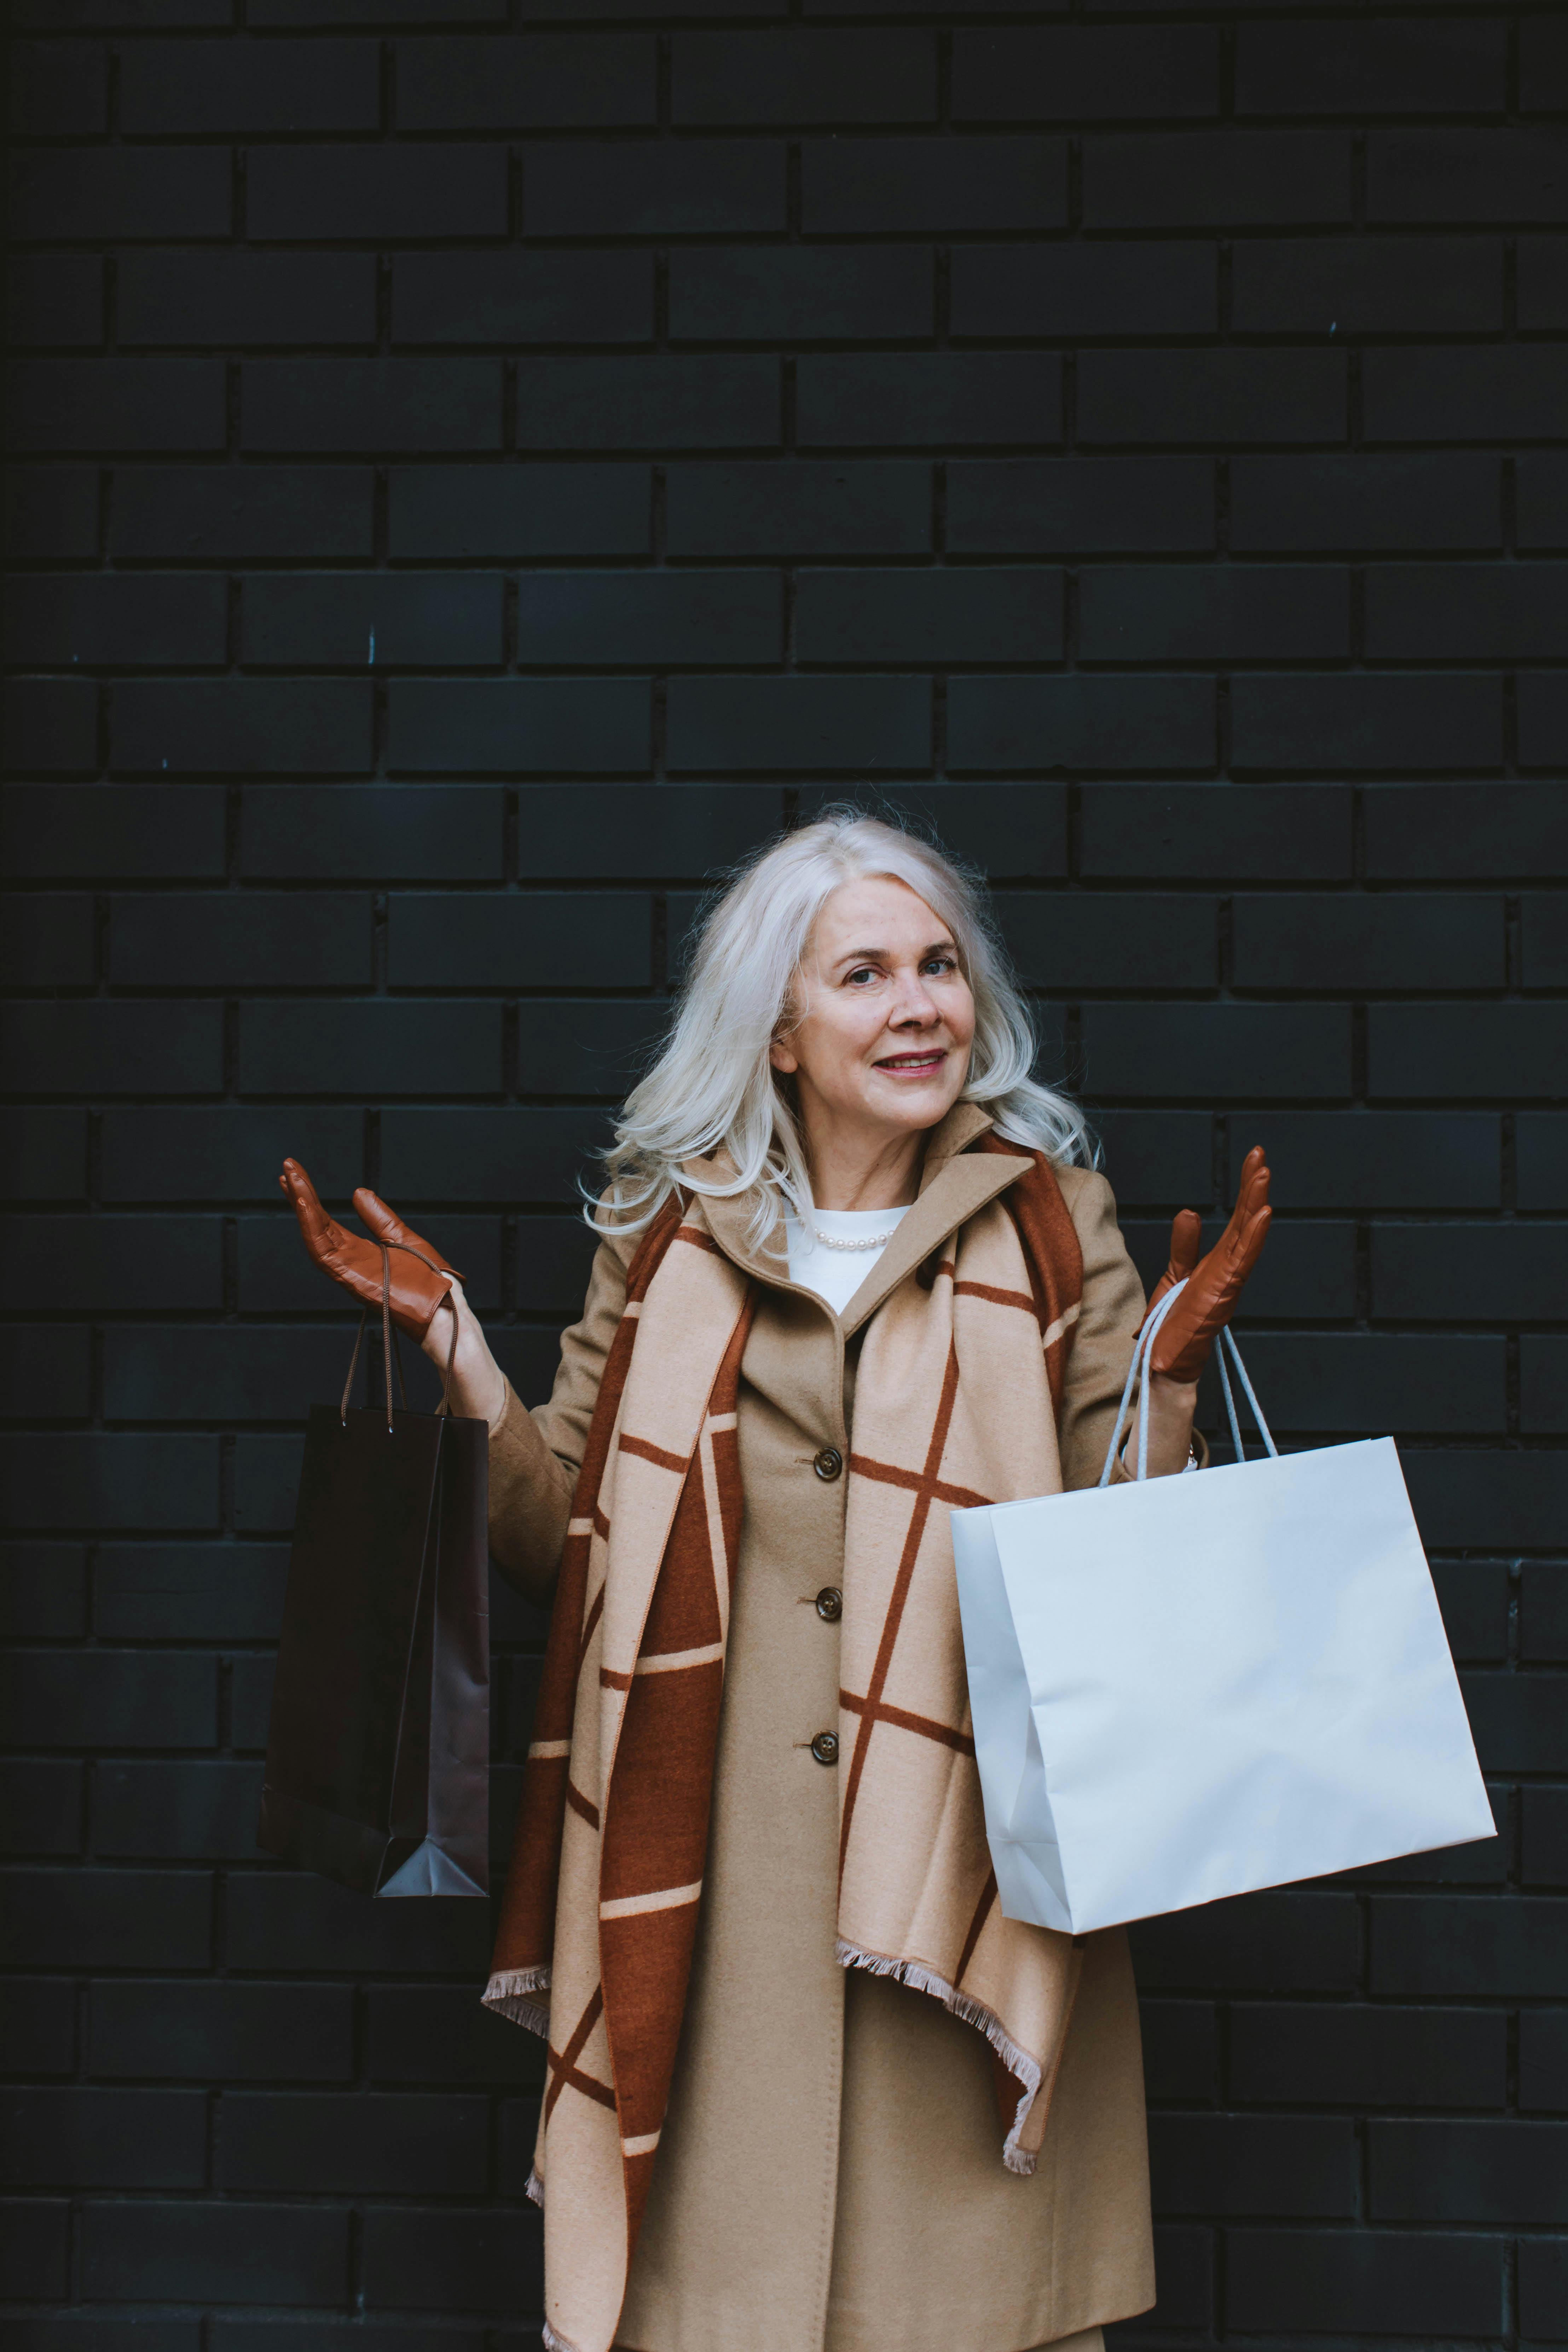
939 963
865 972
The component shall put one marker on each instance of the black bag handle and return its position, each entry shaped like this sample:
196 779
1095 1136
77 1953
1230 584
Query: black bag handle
391 1350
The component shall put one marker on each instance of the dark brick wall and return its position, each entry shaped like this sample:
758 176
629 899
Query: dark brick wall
474 469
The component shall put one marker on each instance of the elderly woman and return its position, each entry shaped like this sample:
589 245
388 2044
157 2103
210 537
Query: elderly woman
808 2089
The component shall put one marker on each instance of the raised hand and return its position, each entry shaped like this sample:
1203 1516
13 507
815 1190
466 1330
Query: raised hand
1214 1283
419 1272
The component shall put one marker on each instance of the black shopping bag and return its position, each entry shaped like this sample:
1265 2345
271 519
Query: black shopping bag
378 1754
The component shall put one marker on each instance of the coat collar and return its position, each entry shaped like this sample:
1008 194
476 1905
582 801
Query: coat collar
955 1184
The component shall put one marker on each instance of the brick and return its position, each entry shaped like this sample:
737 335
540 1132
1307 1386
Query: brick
107 1919
1518 1050
512 1157
803 76
1364 2282
1285 1942
1365 285
223 2031
53 299
163 1812
512 511
1492 611
105 1698
211 1592
1391 67
550 82
651 619
276 1275
42 1590
521 726
40 1813
448 621
1518 1720
1016 831
431 2034
1489 1500
45 1156
1211 398
1302 2055
1540 494
861 507
51 511
653 187
192 295
104 2139
313 2141
523 298
1542 2286
660 402
38 2033
1068 943
241 941
938 186
244 2253
1311 502
529 940
1181 2049
1088 290
35 2242
371 404
384 832
314 13
1436 1273
224 1153
73 16
1544 66
646 831
1308 1273
1225 1051
243 727
800 293
242 513
1370 1382
1466 1945
1514 393
1543 720
77 195
392 192
1070 723
792 723
1451 832
282 1921
47 1374
912 399
63 1480
94 1047
1158 1156
1543 1616
1466 175
58 89
47 941
1360 942
1474 1600
1080 73
1245 613
169 88
1542 1147
943 615
1510 2172
553 1257
111 404
251 1684
1383 722
1184 2260
371 1048
1543 1384
430 2260
51 725
1252 2164
1545 1841
112 620
1224 178
1091 505
230 2333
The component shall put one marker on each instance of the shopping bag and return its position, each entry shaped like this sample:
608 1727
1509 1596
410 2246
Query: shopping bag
378 1754
1189 1688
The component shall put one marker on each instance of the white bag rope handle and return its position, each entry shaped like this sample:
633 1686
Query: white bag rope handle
1144 1342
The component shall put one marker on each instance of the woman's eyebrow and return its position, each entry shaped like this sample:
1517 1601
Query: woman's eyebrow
881 955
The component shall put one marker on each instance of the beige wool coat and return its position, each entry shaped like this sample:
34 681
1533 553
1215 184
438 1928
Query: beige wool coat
830 2177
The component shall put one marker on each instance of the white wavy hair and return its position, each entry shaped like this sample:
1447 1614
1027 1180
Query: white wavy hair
712 1084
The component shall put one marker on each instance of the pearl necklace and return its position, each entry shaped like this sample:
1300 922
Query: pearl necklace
838 1241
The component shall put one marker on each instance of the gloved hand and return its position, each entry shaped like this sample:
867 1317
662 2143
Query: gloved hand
1214 1283
418 1270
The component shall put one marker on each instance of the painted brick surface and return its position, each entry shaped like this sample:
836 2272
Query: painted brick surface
472 474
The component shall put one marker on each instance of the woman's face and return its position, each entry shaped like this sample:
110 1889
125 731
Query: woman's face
883 1015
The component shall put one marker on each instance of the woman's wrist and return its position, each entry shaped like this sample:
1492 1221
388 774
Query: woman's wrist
478 1384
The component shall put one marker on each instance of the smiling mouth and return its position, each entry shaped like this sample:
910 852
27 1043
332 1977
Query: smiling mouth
915 1065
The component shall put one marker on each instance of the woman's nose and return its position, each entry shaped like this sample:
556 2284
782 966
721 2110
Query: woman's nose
915 1004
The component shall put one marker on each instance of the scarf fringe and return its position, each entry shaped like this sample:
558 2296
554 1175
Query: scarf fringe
970 2011
535 2192
508 1994
554 2343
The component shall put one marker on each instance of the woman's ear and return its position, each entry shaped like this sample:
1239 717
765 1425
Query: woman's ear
783 1060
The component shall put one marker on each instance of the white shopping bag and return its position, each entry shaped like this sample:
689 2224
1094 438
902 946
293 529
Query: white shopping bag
1187 1688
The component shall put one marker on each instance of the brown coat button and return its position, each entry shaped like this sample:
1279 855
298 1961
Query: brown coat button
828 1463
824 1748
830 1603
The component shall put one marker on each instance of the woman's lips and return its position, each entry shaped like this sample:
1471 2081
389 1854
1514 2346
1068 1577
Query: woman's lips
914 1065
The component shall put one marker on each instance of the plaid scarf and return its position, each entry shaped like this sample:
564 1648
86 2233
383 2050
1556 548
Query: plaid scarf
959 1386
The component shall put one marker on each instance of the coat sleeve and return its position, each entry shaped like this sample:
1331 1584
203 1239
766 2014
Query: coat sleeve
1102 1343
534 1456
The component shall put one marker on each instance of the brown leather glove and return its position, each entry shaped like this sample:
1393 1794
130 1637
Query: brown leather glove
1214 1283
418 1269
